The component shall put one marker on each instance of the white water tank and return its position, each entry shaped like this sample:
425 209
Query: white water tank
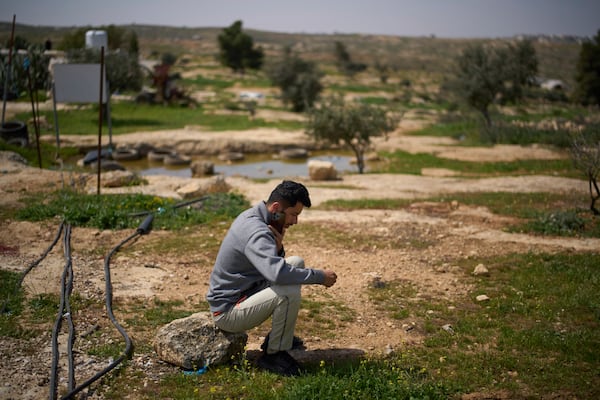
96 40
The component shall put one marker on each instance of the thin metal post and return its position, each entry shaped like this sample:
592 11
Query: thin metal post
8 68
99 156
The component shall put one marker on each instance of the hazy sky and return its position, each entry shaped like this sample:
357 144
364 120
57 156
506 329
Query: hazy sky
443 18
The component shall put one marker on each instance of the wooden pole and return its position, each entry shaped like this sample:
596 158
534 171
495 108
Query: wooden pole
99 157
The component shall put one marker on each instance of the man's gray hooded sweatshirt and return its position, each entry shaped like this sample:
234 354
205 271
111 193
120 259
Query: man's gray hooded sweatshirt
248 262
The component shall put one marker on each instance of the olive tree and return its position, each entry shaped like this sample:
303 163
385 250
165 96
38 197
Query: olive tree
299 80
344 61
585 153
587 77
494 73
123 71
237 51
352 125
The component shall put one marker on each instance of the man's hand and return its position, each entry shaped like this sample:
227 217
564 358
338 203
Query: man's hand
278 237
330 278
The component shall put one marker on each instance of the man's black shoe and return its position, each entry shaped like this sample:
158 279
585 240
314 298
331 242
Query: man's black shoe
297 343
280 363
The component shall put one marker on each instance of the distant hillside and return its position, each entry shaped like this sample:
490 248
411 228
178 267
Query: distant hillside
557 55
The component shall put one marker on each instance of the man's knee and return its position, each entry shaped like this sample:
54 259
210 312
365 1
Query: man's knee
288 293
296 261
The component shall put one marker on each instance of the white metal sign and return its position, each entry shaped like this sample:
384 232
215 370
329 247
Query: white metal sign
78 83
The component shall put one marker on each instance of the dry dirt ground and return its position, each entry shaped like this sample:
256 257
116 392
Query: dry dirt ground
421 245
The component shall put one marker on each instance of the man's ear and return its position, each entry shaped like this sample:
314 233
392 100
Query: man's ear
276 211
275 207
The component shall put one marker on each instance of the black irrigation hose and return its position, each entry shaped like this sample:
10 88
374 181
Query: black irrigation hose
143 229
65 307
64 311
69 314
189 202
176 206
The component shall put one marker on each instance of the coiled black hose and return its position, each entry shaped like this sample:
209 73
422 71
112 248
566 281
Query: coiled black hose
143 229
64 310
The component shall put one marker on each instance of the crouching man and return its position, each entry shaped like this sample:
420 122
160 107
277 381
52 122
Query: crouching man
252 280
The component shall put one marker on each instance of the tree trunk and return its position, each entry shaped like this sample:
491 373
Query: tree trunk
360 159
488 119
594 185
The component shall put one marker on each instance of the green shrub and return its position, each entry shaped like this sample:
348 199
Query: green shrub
563 223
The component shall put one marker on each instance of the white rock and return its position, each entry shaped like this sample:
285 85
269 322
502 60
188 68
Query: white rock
481 270
321 170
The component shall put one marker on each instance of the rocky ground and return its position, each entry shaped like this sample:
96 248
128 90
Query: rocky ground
421 245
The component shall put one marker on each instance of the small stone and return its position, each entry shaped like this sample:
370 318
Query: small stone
448 328
389 350
481 270
482 297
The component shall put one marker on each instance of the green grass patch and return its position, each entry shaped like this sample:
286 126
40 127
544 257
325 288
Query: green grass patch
401 162
536 337
11 303
109 350
201 82
558 214
379 101
127 117
508 133
322 317
48 153
464 129
364 204
358 88
544 110
521 205
541 325
391 297
121 211
366 379
519 129
39 311
44 307
335 235
157 313
215 122
203 240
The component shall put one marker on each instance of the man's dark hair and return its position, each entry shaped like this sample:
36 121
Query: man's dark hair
289 193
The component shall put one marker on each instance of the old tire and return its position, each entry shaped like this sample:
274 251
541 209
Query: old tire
158 155
15 132
176 159
126 155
